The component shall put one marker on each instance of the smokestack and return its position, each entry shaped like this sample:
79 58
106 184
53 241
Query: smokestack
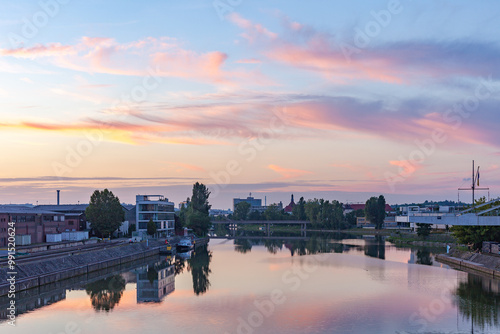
58 192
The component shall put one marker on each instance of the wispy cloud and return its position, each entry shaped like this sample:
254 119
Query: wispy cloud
305 47
163 56
288 173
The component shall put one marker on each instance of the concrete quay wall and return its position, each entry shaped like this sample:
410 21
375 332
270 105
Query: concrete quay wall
466 265
48 271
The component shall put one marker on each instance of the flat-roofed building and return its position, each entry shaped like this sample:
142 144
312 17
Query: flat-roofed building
158 209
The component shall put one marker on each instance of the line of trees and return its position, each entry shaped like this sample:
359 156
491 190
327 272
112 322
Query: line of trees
321 213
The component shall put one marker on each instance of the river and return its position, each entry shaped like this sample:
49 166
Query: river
322 284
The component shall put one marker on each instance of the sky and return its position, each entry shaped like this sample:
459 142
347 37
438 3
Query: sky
335 100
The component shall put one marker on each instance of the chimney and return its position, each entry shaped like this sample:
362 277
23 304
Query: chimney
58 192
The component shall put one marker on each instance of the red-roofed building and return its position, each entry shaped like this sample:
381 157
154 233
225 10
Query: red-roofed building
289 207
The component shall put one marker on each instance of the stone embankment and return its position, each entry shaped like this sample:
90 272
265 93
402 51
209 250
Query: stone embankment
467 261
51 270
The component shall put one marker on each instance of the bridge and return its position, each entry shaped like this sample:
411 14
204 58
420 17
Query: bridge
474 216
233 224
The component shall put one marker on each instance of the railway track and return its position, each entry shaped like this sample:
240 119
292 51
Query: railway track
57 253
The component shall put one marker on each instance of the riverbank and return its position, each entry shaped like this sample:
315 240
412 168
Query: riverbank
472 262
31 275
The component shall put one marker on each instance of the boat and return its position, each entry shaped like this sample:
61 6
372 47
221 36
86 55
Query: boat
185 244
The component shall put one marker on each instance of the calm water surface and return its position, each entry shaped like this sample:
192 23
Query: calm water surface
319 285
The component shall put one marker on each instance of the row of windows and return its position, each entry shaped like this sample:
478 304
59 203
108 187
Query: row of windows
156 216
144 225
24 219
157 207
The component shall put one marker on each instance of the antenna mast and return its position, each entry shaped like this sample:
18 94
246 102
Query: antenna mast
475 185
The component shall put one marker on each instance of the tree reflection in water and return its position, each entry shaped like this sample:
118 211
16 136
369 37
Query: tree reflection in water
424 257
105 294
199 265
179 265
478 300
375 247
242 245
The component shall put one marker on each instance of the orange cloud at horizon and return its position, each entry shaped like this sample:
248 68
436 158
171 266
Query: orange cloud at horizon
288 173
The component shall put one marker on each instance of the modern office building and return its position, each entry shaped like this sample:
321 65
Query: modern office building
255 203
157 208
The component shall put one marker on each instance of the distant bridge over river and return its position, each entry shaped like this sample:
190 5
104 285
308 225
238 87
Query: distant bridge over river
474 216
233 224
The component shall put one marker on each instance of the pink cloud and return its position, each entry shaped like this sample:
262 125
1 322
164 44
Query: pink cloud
162 57
339 58
249 61
253 31
50 50
288 173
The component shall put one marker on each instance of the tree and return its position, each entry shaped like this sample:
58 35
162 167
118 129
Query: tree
177 223
351 216
241 211
105 213
299 210
255 215
131 228
375 211
197 215
312 209
423 230
151 227
273 212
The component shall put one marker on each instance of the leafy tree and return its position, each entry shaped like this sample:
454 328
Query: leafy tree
299 210
255 215
273 212
241 211
312 209
351 216
131 228
104 212
151 227
177 223
423 230
375 211
197 215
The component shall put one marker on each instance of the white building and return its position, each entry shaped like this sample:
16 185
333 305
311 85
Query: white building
157 208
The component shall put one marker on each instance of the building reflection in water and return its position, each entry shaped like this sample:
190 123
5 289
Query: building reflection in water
478 300
155 281
30 300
